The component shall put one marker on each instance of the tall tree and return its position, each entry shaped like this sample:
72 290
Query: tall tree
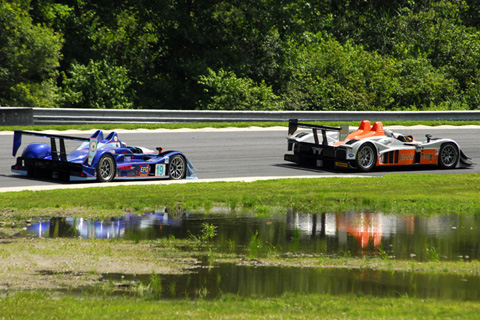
29 57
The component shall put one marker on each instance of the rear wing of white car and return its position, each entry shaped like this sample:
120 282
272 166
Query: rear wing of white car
293 125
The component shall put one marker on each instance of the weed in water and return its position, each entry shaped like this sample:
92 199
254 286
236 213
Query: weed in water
201 293
433 254
255 245
155 286
231 246
172 286
211 256
383 254
347 254
209 231
272 250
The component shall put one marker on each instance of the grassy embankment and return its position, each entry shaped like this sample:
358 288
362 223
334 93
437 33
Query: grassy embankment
40 306
393 193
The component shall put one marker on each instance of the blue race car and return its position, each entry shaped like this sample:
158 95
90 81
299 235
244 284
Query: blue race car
103 159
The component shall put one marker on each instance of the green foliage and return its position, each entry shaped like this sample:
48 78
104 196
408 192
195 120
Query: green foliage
29 56
232 93
97 85
421 86
327 75
267 55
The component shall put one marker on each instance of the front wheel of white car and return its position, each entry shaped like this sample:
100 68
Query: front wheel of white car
177 168
448 156
106 168
366 158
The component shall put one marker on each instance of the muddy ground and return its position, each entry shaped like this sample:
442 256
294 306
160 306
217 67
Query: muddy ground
33 264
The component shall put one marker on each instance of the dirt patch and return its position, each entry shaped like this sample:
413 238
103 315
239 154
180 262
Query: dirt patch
33 264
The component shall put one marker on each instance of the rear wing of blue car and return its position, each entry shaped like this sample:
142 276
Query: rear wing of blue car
293 125
57 154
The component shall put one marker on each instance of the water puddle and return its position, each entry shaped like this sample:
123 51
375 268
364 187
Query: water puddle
440 237
275 281
446 237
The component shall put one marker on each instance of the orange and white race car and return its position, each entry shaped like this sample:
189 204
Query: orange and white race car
368 147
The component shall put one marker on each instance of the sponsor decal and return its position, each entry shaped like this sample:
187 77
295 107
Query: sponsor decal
144 170
112 145
406 157
92 150
341 164
428 156
125 167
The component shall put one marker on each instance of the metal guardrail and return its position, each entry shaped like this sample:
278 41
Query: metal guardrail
83 116
47 116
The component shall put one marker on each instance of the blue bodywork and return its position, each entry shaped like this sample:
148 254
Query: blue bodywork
51 160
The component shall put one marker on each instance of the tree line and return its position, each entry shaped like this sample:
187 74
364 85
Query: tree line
241 54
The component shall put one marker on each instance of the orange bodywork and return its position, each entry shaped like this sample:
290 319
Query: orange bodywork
407 157
364 131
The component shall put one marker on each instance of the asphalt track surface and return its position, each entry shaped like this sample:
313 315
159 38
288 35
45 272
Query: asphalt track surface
234 154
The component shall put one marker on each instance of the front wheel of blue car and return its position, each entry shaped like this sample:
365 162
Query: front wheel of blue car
106 168
178 167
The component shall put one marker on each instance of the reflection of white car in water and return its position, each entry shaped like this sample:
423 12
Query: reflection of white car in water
366 227
369 147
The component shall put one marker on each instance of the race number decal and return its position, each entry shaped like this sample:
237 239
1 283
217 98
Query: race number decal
160 170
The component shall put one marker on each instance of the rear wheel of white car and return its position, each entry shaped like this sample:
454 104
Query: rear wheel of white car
177 167
106 168
448 156
366 157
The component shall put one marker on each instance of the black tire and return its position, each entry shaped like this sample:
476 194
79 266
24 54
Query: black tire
177 168
448 156
106 168
366 158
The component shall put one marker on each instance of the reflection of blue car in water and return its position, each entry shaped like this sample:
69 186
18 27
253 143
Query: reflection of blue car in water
40 229
108 229
103 159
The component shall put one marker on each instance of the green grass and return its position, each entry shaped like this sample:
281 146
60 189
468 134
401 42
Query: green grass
393 193
290 306
198 125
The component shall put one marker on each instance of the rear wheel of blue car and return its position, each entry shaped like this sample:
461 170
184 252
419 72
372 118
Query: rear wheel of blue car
448 156
106 168
177 168
366 158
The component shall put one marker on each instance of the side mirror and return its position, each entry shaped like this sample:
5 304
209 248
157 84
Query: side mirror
429 137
